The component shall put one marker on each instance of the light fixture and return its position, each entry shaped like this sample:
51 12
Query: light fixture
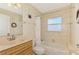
18 5
15 5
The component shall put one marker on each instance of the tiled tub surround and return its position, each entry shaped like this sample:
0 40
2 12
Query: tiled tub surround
60 40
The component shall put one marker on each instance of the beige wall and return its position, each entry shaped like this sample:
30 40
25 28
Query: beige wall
29 24
64 36
75 27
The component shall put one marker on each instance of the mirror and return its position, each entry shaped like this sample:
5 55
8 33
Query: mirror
4 24
10 20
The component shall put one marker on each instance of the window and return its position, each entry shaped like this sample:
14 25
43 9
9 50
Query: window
54 24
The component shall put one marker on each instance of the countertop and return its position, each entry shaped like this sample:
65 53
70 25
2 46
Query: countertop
12 43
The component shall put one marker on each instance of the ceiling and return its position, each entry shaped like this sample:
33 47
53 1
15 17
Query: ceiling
10 8
46 7
42 7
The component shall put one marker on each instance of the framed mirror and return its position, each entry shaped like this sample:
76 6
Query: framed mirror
11 20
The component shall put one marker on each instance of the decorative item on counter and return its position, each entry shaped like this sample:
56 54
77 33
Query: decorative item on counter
77 16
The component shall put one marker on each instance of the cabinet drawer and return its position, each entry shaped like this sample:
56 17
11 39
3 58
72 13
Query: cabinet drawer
26 51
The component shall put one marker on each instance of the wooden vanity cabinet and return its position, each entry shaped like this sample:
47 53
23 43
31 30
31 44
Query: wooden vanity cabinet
21 49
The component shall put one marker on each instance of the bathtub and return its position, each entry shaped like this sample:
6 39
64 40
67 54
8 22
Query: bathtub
54 49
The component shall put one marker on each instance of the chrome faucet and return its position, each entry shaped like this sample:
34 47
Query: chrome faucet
10 37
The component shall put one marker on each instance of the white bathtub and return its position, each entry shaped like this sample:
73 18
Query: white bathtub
54 49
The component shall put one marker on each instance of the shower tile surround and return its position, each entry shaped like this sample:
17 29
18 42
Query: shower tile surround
63 41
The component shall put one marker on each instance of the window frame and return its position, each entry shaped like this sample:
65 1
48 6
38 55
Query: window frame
54 24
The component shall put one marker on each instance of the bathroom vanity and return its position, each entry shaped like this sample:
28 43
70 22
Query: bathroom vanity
24 48
18 30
